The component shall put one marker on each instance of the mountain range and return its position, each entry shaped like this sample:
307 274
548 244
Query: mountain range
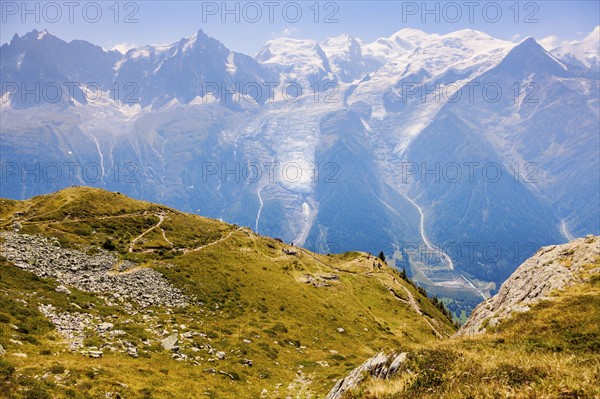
458 155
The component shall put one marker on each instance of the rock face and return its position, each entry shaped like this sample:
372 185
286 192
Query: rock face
551 268
379 366
92 273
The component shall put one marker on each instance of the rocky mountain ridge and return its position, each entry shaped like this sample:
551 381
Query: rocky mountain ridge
552 268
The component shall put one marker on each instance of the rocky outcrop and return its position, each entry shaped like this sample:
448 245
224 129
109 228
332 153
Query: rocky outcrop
551 268
92 273
379 366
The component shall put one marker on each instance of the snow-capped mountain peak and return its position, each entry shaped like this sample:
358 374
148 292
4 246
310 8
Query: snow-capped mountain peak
295 59
340 42
414 36
584 53
385 49
340 46
594 36
345 54
289 52
469 34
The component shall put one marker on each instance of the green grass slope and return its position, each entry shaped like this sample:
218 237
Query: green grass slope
303 319
551 351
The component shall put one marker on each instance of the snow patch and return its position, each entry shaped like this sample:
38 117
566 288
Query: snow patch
230 64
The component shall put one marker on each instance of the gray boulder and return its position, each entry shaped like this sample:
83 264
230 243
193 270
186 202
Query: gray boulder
62 289
170 343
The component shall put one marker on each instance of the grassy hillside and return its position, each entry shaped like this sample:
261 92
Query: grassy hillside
264 319
551 351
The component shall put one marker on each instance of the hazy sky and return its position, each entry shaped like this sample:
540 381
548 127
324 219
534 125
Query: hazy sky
108 23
